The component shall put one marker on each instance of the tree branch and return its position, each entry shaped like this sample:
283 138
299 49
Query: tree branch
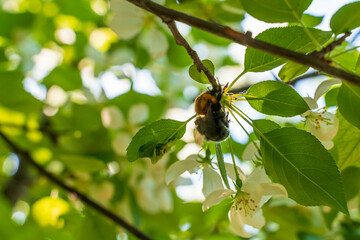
116 219
180 40
246 40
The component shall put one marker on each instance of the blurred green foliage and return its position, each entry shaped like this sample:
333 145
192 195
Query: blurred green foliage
73 95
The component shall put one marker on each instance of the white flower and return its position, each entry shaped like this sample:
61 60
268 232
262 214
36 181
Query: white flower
321 123
211 179
256 190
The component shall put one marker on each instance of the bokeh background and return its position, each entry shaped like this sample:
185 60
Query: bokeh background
73 94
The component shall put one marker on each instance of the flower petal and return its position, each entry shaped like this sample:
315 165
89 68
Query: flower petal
274 189
324 87
179 167
231 173
326 129
327 144
256 219
311 103
250 151
258 175
211 181
237 226
254 189
216 197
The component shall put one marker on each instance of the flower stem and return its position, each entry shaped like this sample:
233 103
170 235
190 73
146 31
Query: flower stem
221 164
233 160
248 122
234 81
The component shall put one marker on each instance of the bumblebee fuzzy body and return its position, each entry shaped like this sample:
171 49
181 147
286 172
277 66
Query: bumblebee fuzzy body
211 120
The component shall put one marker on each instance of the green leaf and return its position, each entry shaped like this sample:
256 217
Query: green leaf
311 21
276 98
346 18
177 55
82 163
345 58
276 10
95 227
349 103
297 160
291 70
293 38
14 21
155 139
65 77
70 7
13 95
80 117
127 100
347 144
264 126
351 179
200 35
357 66
221 163
200 76
331 97
292 219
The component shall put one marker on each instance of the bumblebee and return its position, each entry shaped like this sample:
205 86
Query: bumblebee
211 120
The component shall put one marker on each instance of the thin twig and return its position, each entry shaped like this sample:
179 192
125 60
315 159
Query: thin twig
292 82
180 40
246 40
305 76
116 219
331 46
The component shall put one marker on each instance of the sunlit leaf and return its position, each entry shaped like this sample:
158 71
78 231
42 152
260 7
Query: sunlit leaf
349 103
331 97
276 98
347 144
200 76
311 21
264 126
277 10
357 66
293 38
297 160
351 179
345 56
291 70
155 139
345 18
